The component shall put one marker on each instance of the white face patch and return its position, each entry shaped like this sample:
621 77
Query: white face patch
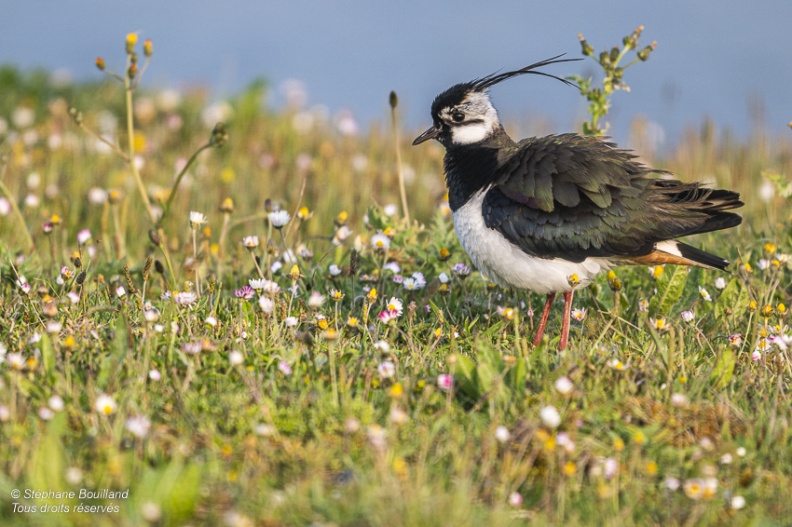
479 119
467 134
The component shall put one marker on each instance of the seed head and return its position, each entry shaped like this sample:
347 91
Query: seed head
154 237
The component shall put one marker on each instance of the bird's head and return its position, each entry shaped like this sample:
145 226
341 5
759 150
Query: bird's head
464 114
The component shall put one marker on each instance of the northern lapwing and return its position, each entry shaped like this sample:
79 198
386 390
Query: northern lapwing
549 213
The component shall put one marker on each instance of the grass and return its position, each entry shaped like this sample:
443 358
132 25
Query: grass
214 409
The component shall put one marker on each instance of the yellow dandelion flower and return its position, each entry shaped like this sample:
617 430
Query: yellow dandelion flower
573 280
342 218
639 438
294 273
569 468
752 306
400 467
781 308
770 248
139 142
613 281
396 391
618 444
227 175
657 271
322 323
651 468
372 295
330 334
767 310
352 322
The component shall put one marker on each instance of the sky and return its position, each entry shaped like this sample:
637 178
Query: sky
726 60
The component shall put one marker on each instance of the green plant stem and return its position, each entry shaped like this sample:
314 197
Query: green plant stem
17 212
167 257
197 265
175 186
399 170
128 88
99 138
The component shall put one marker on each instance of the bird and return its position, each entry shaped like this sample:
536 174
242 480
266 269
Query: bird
548 214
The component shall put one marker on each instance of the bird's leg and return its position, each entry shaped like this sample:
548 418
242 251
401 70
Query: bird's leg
543 321
565 324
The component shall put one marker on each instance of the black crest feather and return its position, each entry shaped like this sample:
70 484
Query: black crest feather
493 79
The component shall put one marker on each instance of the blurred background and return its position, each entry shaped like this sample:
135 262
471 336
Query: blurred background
727 61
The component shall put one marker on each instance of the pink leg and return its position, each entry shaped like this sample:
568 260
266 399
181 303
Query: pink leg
543 321
565 324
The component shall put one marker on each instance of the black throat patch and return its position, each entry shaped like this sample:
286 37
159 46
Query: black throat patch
468 169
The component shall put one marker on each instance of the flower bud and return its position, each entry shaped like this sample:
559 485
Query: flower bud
644 53
131 40
227 206
76 115
614 54
586 48
219 135
100 63
148 48
393 99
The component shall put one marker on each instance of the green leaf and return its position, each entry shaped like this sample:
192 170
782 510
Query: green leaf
485 377
733 295
670 287
47 357
465 375
516 376
724 369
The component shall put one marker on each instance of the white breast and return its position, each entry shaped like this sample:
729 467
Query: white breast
505 263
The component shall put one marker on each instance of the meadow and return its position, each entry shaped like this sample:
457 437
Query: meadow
239 325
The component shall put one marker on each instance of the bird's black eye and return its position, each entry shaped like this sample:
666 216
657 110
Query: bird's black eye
457 116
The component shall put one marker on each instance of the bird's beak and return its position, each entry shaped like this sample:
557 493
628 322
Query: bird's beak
431 133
